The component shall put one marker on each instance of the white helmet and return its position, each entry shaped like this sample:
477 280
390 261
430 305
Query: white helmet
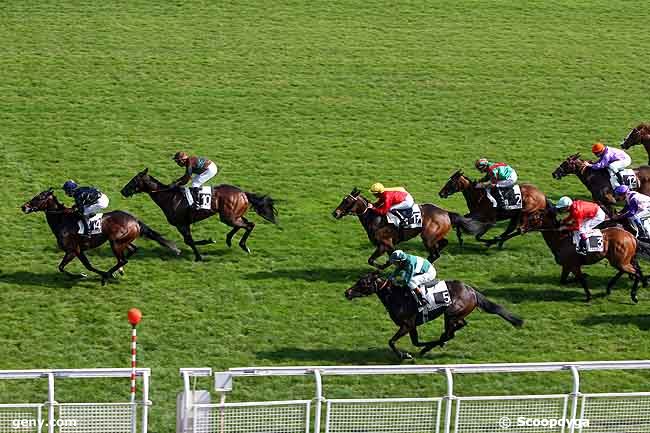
563 202
397 256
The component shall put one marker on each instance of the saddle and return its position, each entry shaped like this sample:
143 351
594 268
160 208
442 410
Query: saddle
506 198
625 177
94 225
437 297
406 218
594 242
203 197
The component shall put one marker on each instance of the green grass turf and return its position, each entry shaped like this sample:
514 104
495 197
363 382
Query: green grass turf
303 101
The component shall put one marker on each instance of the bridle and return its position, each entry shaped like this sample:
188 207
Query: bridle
355 199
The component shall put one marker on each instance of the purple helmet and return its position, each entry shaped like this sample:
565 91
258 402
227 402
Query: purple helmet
621 190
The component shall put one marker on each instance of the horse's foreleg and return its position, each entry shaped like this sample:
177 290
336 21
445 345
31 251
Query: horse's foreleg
402 331
186 232
84 260
508 233
67 258
380 250
583 281
564 277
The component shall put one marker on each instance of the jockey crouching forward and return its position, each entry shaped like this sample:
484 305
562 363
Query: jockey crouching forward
390 199
88 201
583 217
197 169
497 175
636 210
611 158
415 272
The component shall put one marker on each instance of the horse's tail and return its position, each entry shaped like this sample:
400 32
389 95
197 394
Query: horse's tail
490 307
150 233
468 225
263 205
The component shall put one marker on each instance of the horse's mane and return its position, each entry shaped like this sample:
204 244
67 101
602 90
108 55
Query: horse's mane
159 183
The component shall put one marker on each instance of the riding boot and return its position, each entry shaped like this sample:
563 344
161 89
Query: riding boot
582 247
620 178
195 196
84 222
419 299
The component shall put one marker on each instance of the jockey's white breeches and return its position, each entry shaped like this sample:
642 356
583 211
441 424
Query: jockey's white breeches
96 207
406 204
507 182
199 179
420 280
621 164
590 223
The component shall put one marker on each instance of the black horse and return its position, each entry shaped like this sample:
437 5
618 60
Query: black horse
403 310
230 202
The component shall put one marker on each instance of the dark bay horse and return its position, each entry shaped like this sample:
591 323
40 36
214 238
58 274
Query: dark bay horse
403 310
619 248
436 223
230 202
480 207
119 228
598 181
638 135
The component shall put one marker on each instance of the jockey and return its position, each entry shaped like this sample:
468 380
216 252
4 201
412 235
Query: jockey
88 201
637 207
611 158
414 271
197 169
390 199
497 175
583 216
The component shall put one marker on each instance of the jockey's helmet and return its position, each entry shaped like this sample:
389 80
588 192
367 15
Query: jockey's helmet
621 190
482 163
564 202
397 256
69 186
377 188
180 156
598 148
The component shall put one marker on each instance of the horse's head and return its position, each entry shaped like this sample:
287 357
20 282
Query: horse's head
353 203
540 219
572 165
141 182
41 202
456 183
366 286
634 137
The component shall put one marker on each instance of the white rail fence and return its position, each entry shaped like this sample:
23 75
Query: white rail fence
574 412
53 416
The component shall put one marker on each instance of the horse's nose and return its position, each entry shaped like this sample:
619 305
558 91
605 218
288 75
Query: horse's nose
336 214
442 194
24 208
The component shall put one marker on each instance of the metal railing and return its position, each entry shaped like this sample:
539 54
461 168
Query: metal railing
73 417
611 412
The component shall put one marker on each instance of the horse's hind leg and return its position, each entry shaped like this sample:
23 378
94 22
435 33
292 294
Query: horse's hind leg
612 282
447 334
118 251
249 229
230 235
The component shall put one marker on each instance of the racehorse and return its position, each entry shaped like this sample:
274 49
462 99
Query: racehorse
480 207
230 202
119 228
598 181
436 223
619 248
403 310
638 135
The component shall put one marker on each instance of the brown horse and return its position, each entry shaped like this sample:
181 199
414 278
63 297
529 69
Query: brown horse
403 309
480 207
638 135
119 228
436 223
598 181
230 202
619 248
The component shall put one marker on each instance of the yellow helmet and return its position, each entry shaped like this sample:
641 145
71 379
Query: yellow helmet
377 188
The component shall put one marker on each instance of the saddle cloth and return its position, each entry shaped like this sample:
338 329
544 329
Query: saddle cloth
94 225
506 198
205 197
437 296
406 218
594 241
628 176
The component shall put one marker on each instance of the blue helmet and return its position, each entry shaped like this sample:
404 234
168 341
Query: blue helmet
621 190
397 256
70 185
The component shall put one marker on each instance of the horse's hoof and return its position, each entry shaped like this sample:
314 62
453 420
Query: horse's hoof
198 259
635 299
83 275
245 248
405 356
212 241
